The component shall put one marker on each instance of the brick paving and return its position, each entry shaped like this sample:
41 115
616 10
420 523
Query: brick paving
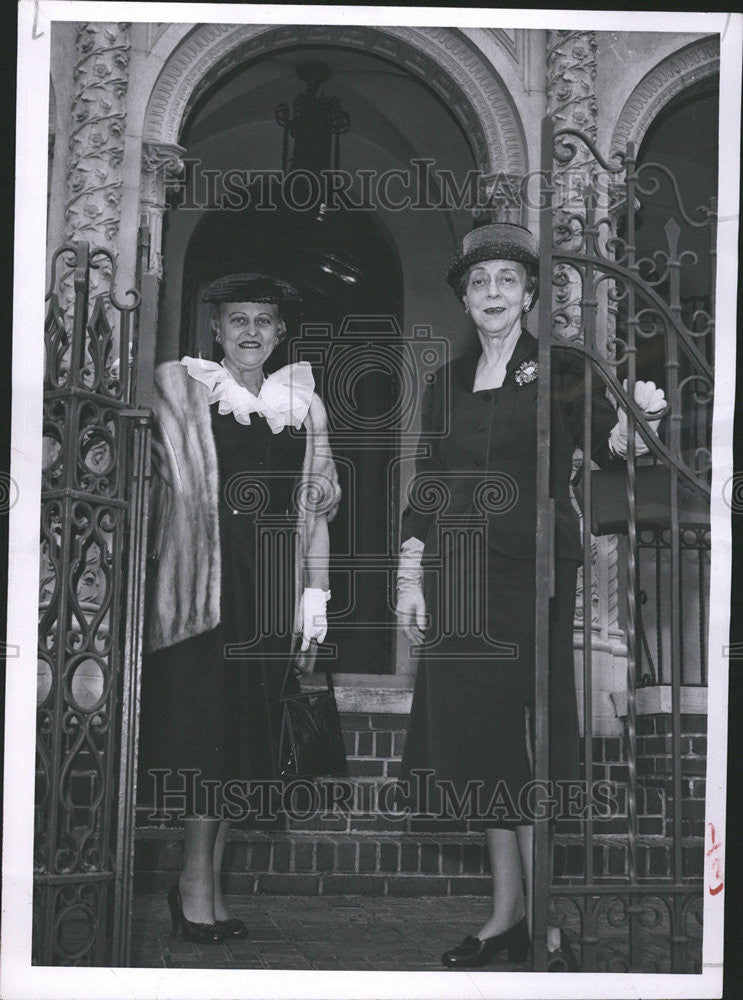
357 933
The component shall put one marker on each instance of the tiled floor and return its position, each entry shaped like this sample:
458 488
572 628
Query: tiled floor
352 933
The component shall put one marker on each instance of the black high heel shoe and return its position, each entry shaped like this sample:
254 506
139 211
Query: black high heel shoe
232 928
563 958
199 933
473 953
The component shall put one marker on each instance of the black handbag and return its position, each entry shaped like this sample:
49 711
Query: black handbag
610 510
310 738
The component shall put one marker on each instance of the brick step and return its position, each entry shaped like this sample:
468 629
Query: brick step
409 853
307 863
372 767
353 722
329 884
378 721
326 821
401 864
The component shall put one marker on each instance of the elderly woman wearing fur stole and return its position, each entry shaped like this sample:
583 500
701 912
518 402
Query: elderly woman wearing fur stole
234 450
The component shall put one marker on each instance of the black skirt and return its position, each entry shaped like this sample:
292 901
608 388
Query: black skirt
468 753
210 704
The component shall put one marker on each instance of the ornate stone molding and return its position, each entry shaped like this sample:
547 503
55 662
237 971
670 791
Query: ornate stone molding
571 102
615 633
96 148
505 197
697 61
571 80
161 156
160 162
595 602
443 57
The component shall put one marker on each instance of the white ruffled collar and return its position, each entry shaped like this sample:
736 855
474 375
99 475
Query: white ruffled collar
284 398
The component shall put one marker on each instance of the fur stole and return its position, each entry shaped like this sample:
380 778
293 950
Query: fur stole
184 584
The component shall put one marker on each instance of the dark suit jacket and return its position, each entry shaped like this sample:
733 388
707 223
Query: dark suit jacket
482 457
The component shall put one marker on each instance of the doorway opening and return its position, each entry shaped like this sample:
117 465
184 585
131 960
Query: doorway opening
350 281
370 275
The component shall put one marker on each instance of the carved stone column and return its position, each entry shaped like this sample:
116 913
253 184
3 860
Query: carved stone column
572 103
161 162
96 147
571 79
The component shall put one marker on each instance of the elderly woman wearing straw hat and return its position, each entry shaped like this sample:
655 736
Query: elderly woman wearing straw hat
231 444
470 721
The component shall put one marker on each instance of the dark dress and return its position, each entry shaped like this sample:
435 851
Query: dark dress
206 705
473 504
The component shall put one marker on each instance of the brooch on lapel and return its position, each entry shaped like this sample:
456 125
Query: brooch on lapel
527 371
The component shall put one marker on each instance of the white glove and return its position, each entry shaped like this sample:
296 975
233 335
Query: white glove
411 605
313 616
651 399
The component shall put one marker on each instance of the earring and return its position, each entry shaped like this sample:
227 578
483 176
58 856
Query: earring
217 338
527 308
466 309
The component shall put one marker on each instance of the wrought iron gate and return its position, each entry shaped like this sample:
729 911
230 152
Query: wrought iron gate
623 302
95 469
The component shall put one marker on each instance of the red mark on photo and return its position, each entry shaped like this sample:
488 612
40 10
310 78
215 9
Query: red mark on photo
716 849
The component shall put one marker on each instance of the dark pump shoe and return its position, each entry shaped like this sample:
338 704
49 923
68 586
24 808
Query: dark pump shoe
473 953
200 933
563 958
232 928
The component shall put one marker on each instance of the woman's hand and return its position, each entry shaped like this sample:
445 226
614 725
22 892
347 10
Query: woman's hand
312 612
649 397
304 661
411 605
411 612
652 400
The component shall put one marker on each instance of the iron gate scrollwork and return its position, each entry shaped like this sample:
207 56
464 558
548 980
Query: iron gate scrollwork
618 309
93 505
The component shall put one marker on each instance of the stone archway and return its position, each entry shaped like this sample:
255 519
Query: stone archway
443 57
673 74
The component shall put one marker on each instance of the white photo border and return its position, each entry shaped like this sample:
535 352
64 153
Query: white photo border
19 978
